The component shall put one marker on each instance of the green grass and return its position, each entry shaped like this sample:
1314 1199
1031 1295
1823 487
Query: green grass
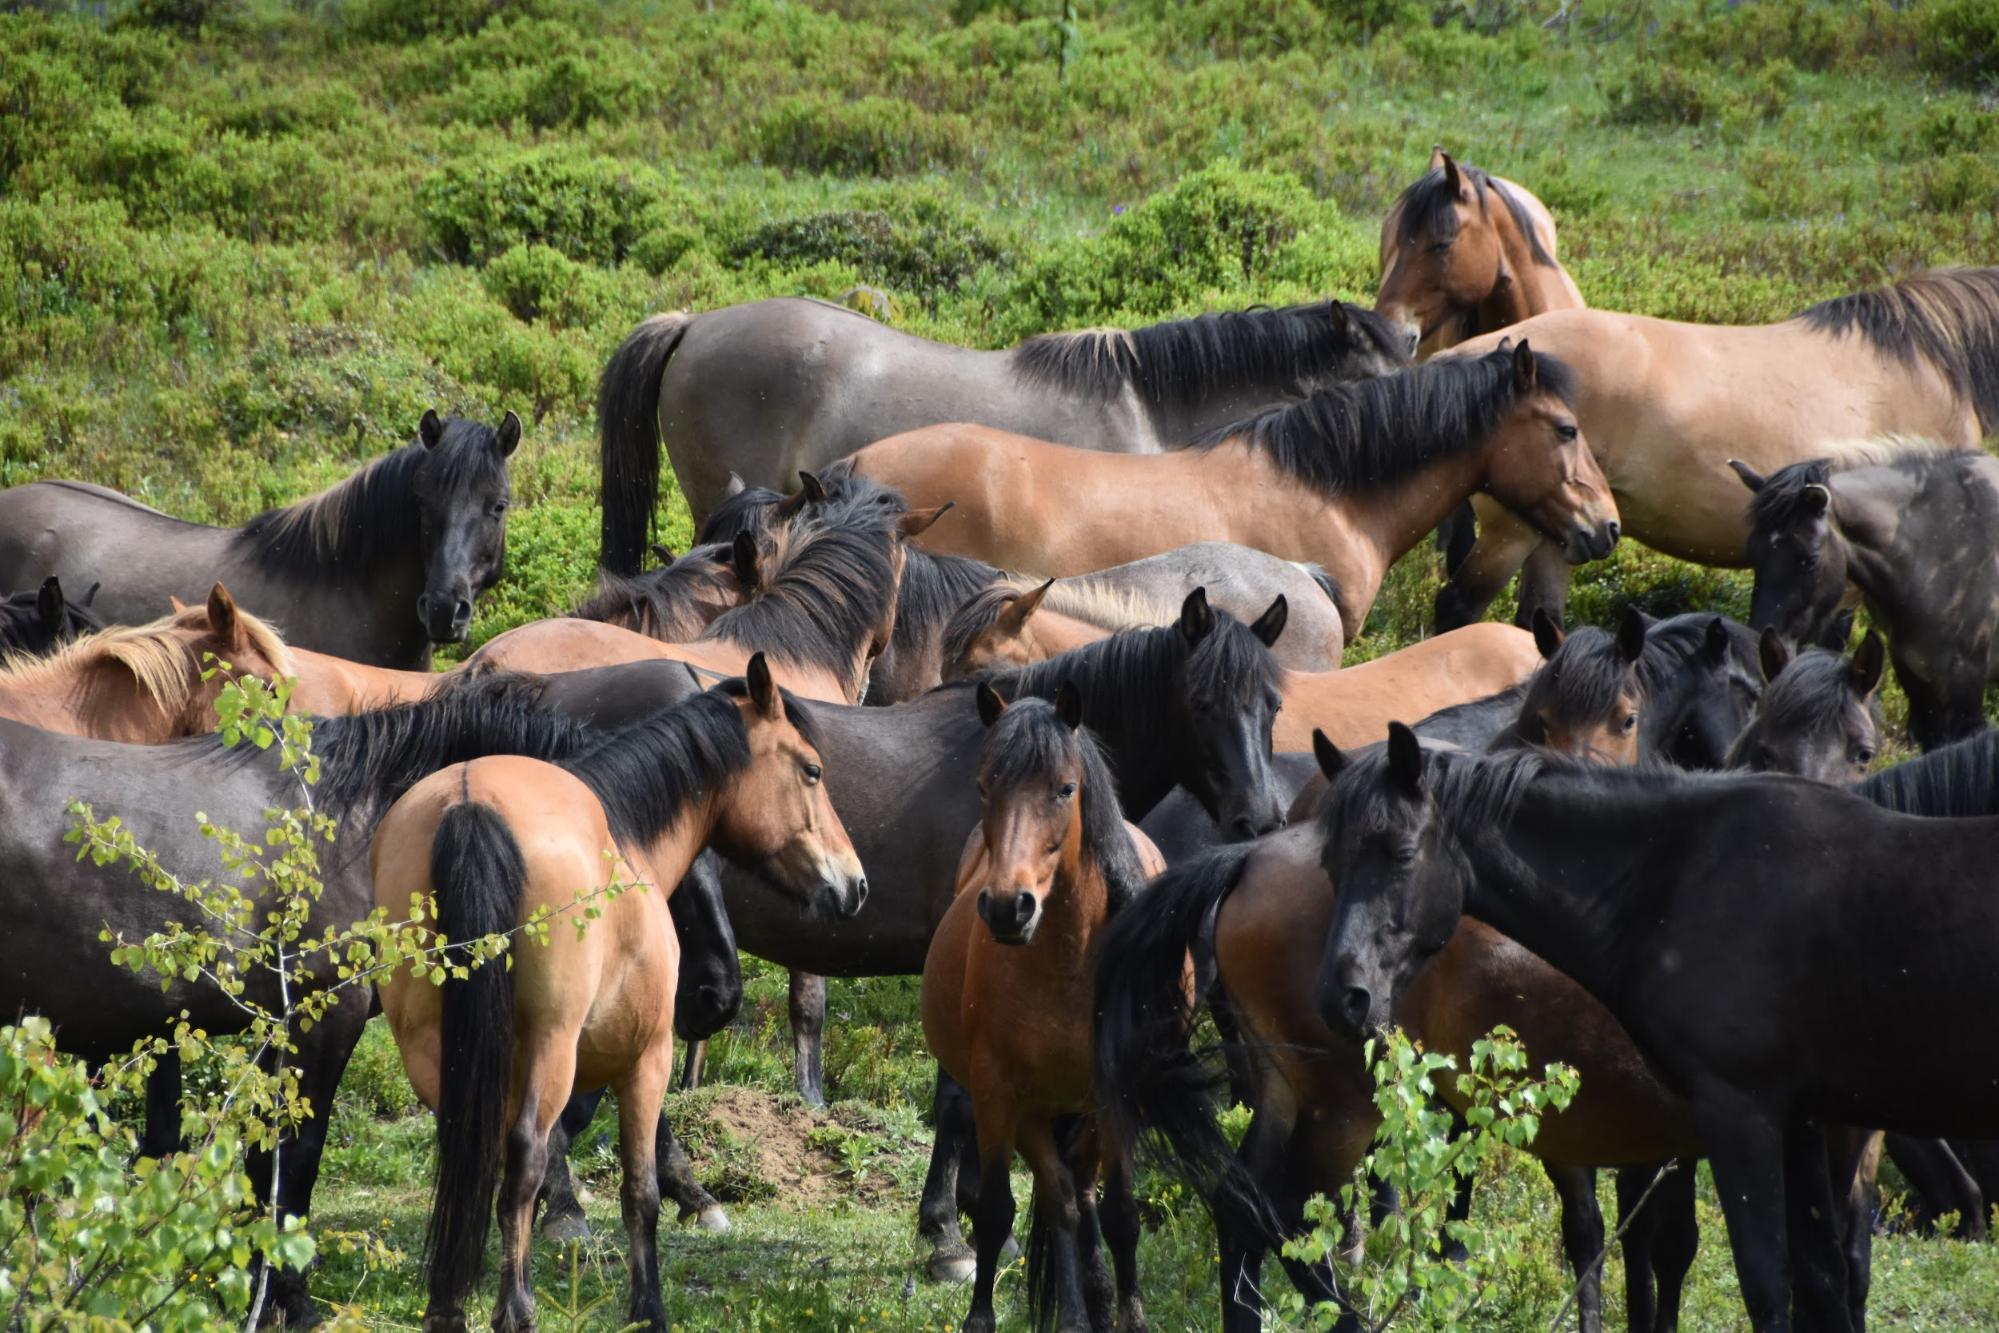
245 245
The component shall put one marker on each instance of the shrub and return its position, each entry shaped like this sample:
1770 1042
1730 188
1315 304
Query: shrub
916 256
1655 92
589 208
540 282
1960 38
413 20
871 136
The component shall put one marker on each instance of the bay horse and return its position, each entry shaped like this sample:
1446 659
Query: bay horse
495 841
774 387
1006 995
1891 927
1907 526
376 568
54 906
1348 479
35 623
1665 404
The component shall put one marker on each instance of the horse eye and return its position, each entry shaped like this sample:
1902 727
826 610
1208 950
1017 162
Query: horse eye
1441 247
1405 856
1565 432
1066 790
1630 722
1863 755
499 508
812 772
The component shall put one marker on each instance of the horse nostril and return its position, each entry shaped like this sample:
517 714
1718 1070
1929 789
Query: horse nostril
860 891
985 905
462 611
1354 1006
1615 529
1023 908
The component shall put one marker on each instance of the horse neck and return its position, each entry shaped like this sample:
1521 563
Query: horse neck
1534 288
664 861
1391 519
102 701
331 686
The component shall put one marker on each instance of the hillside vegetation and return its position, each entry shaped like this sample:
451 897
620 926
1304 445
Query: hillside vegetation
244 245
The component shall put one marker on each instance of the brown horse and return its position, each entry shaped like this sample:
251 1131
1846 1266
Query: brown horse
492 844
1666 405
1006 991
143 684
1347 479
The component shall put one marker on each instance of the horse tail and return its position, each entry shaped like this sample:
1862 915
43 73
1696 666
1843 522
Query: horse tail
1148 1075
628 438
477 874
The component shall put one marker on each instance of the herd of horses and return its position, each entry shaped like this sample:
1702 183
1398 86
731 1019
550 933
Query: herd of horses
1021 671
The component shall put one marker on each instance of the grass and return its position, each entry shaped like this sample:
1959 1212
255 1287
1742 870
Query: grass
244 245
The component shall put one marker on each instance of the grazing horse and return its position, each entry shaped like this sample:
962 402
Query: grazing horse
1907 527
54 906
1820 715
1348 479
1779 950
1006 998
675 602
39 622
375 569
494 843
1664 404
771 388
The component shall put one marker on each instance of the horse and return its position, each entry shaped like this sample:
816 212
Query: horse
767 389
496 842
1006 992
1898 525
674 602
36 623
1819 717
1713 986
377 568
1348 479
54 906
1664 404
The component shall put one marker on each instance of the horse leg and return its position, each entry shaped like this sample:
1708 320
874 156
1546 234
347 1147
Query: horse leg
163 1137
1675 1237
544 1074
1641 1231
1456 536
641 1090
1746 1151
1121 1229
1941 1183
1582 1238
1544 586
1854 1158
562 1217
697 1061
951 1260
1459 1209
1504 543
1964 696
1242 1249
992 1218
1818 1263
1927 719
677 1182
1052 1263
1084 1158
808 1025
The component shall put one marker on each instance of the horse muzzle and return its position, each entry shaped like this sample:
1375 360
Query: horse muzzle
447 619
1011 917
1592 542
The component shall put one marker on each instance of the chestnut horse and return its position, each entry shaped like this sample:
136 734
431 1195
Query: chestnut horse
1348 479
768 389
498 843
1006 994
1666 404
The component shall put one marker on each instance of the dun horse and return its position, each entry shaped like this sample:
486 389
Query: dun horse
771 388
1665 404
1006 992
1911 528
495 842
375 569
36 623
1349 479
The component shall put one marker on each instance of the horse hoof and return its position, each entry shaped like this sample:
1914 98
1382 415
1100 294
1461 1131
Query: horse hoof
445 1323
713 1219
958 1265
566 1228
1131 1319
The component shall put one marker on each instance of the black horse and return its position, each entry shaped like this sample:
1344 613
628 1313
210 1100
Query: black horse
1819 717
1785 954
375 569
34 624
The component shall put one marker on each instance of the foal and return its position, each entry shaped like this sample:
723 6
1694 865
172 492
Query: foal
492 845
1006 995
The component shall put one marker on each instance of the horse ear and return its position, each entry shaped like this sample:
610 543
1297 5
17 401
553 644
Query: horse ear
1016 612
1631 634
1548 635
663 554
1774 652
744 556
787 508
735 487
1331 758
990 704
1751 478
1069 705
1815 500
176 603
431 429
1453 178
510 434
1405 758
1863 673
90 595
1715 643
1195 617
222 615
1438 156
1525 371
1336 315
917 521
809 486
1271 623
48 602
763 690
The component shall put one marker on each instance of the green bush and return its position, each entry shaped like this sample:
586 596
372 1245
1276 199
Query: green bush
538 282
910 255
868 137
1960 38
1657 93
412 20
589 208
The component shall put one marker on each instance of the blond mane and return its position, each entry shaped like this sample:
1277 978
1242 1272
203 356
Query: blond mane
158 656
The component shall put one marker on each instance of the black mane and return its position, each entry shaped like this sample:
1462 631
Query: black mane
654 601
1475 794
1776 505
1366 434
1584 679
935 589
1958 781
1949 317
1428 213
1183 361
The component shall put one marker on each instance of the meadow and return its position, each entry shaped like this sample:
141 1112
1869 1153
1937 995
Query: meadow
245 245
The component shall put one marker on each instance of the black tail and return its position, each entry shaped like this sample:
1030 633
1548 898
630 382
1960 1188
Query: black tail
628 438
477 874
1044 1297
1148 1075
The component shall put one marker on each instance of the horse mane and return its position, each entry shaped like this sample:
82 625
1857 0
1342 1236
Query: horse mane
155 653
1368 433
1670 642
1776 504
744 511
1103 605
934 589
1958 781
1811 693
653 603
1587 673
358 523
1475 794
1030 740
1426 209
1947 316
1182 361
